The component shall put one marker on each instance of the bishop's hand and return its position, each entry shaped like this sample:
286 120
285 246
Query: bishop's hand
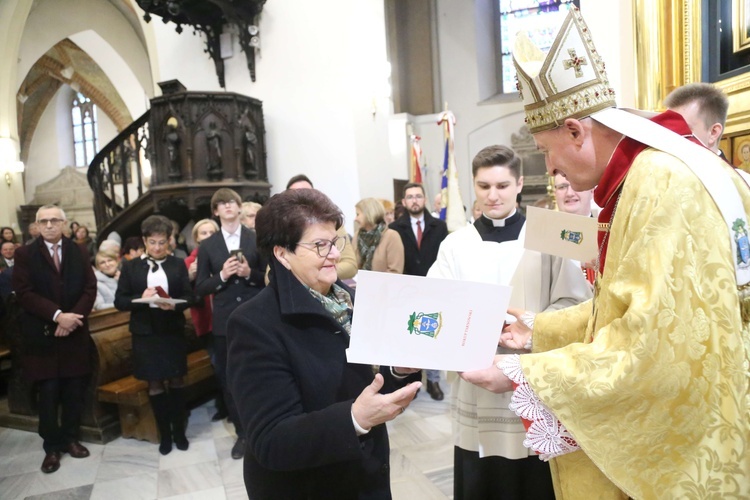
515 335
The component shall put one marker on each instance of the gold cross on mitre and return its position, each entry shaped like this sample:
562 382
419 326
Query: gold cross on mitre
575 62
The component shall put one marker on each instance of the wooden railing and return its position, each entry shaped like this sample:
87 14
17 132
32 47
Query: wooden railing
117 169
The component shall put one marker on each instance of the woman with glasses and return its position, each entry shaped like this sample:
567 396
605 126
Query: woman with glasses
158 328
315 424
377 247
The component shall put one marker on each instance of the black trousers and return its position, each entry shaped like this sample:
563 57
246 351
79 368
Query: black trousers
60 428
220 367
498 478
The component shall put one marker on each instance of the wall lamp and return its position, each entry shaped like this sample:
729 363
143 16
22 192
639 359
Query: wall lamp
8 163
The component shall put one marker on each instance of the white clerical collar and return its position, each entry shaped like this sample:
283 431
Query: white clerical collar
500 222
227 234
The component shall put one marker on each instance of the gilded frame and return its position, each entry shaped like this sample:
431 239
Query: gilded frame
740 24
668 55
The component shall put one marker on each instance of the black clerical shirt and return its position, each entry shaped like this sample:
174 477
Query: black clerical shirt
509 232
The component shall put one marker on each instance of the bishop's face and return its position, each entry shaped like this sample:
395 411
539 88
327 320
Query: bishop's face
569 151
496 189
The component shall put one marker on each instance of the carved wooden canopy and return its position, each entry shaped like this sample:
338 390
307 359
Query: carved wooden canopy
210 17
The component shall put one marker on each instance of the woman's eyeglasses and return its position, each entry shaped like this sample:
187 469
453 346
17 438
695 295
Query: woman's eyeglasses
324 247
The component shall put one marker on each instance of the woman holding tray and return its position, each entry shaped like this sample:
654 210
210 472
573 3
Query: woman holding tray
158 327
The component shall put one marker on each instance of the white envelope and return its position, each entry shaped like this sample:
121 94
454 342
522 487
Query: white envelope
418 322
570 236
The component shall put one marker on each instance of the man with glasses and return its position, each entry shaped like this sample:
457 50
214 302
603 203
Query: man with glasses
230 268
421 235
579 203
56 290
571 201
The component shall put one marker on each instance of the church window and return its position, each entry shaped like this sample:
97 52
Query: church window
540 19
85 140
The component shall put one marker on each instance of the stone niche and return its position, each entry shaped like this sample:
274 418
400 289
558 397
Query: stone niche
69 190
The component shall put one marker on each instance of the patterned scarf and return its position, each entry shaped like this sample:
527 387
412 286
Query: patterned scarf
338 303
367 242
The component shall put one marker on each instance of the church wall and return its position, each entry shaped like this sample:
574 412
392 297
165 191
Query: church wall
52 145
53 20
312 79
27 30
117 70
482 122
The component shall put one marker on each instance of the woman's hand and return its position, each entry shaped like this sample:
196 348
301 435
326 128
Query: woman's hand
517 334
372 408
193 270
148 292
164 306
492 378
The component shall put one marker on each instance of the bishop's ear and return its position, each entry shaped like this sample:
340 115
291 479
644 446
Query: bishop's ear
574 129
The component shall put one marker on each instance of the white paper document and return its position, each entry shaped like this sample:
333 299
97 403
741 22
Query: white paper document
158 300
418 322
570 236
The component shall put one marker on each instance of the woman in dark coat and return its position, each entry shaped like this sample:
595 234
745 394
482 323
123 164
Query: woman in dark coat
159 344
315 423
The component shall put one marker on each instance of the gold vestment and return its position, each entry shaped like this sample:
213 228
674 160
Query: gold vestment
653 381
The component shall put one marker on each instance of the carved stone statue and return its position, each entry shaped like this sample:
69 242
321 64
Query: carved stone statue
213 142
173 140
250 140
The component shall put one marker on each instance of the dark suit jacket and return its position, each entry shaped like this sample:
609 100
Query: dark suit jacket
212 254
294 389
417 261
41 291
147 320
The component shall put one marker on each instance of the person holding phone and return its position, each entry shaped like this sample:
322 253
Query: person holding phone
159 343
230 268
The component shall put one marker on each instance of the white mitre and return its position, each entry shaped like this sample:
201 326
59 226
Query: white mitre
567 82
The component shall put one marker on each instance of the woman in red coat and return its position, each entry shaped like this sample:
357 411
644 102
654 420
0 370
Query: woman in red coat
201 313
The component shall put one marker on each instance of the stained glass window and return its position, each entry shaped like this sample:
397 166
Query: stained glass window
539 19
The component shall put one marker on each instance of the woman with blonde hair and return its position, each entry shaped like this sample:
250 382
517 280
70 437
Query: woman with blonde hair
377 247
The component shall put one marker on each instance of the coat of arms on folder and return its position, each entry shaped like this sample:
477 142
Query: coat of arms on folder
425 324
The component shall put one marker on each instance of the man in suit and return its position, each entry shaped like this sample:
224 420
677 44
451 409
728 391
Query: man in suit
704 107
230 268
7 249
421 234
56 289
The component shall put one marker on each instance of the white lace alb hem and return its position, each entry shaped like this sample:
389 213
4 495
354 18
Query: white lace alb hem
547 436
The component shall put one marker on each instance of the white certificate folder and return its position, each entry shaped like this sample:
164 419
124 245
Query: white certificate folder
565 235
418 322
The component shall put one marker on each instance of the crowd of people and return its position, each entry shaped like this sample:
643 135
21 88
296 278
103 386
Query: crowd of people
642 392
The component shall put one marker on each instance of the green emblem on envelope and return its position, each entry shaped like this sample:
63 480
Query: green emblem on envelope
572 236
425 324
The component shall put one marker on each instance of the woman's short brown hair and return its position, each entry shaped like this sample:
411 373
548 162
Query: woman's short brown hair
156 224
286 216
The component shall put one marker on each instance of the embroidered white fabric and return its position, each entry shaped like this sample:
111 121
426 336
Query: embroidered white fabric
527 318
547 436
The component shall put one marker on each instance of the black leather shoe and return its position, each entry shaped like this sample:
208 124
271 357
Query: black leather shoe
77 450
219 415
51 462
433 389
238 450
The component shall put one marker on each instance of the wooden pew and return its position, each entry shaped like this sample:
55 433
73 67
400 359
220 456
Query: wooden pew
131 397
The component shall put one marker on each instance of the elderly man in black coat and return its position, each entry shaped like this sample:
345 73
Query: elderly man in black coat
56 289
